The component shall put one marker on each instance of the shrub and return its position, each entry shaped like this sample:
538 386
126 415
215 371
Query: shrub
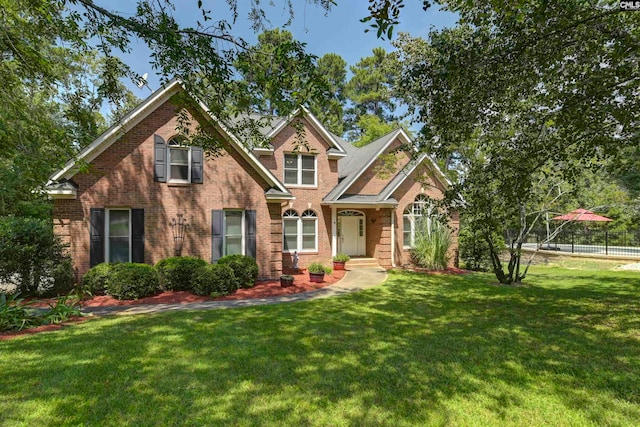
244 268
132 281
432 242
63 279
317 267
474 250
176 273
33 258
95 280
214 280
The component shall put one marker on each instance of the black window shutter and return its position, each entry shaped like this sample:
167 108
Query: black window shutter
96 233
216 235
197 163
159 159
137 235
250 233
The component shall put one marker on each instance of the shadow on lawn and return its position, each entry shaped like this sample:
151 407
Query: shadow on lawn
396 353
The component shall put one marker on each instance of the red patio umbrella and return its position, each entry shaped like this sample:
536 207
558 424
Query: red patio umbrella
581 215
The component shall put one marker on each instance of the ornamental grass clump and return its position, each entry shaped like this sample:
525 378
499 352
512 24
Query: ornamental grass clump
431 247
318 267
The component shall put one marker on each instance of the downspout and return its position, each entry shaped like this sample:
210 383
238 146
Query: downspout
393 237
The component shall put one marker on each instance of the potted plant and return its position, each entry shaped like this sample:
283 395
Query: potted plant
286 280
317 272
340 260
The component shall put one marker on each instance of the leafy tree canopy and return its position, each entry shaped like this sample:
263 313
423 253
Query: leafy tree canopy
370 91
523 92
51 93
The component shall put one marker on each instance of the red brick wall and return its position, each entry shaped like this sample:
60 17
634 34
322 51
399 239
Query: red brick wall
305 197
122 176
372 181
421 181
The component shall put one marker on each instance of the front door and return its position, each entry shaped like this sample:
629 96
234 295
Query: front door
352 235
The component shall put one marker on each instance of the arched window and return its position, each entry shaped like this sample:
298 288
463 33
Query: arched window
421 209
300 233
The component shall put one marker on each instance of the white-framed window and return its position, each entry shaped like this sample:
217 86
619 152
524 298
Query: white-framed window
300 232
300 169
179 162
117 235
233 242
421 208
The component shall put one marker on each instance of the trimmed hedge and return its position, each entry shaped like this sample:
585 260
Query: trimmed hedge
132 281
95 280
214 280
244 268
176 273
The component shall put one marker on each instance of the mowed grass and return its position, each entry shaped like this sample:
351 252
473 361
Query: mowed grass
563 350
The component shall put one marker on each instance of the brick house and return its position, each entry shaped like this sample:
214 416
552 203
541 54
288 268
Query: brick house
118 199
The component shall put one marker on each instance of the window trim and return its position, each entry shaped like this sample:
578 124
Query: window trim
107 234
420 208
243 231
307 215
289 215
174 144
299 170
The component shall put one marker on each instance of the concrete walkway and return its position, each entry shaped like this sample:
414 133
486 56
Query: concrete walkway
355 280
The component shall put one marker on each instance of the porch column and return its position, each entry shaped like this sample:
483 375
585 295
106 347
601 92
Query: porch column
393 237
334 231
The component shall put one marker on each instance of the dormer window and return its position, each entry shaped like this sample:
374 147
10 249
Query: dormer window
300 169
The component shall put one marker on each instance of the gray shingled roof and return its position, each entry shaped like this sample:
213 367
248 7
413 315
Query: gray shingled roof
346 146
366 199
357 160
265 123
401 176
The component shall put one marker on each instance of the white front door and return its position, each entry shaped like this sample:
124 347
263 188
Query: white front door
352 235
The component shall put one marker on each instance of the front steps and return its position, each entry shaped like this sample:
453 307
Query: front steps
362 262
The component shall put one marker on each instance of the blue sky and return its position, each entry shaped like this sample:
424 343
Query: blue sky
339 31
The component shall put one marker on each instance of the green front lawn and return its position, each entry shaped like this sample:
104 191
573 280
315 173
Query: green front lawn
419 350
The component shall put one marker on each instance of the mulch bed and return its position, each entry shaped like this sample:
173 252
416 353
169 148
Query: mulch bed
263 289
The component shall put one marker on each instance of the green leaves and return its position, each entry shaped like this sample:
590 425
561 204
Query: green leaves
516 89
385 14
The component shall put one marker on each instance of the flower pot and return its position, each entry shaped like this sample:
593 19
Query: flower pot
316 277
285 282
338 265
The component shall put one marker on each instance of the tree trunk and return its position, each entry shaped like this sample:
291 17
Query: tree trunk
495 262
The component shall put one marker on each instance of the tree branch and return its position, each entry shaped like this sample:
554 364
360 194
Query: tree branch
135 27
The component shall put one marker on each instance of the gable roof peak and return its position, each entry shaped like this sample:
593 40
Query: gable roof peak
139 113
